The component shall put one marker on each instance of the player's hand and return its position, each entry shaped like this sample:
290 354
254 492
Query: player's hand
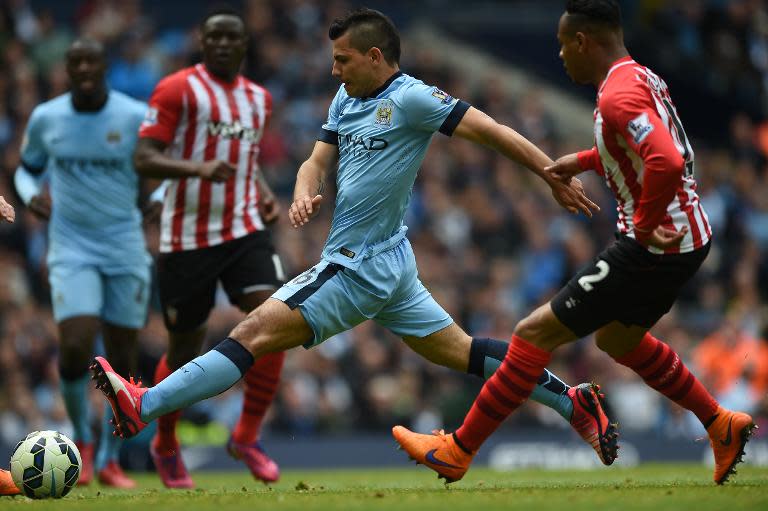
663 238
571 196
216 170
6 211
269 209
151 211
565 168
40 205
304 208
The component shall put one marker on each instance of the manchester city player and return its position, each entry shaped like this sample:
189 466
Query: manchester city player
99 272
379 126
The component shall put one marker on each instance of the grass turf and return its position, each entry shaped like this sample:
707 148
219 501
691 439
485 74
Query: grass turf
648 487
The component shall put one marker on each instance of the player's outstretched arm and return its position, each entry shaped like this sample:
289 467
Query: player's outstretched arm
150 160
6 211
482 129
310 182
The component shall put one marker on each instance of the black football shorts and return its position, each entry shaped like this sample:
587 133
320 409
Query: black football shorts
625 283
187 279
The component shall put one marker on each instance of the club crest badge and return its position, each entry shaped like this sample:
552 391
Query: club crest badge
384 113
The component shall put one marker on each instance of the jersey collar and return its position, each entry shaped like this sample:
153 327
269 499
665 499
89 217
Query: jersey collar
623 61
383 87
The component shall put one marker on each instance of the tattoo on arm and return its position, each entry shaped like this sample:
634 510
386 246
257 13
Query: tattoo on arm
320 186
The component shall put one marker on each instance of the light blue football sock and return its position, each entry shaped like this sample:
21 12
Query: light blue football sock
109 444
551 391
206 376
75 394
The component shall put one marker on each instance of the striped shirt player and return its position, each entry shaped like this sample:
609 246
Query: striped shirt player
643 153
202 118
199 117
637 133
202 136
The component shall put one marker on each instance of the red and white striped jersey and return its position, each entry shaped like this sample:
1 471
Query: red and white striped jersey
202 118
644 154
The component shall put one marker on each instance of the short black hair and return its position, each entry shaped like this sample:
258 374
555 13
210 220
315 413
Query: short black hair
594 13
370 28
221 10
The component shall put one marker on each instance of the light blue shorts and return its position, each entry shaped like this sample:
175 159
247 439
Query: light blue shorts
385 288
84 290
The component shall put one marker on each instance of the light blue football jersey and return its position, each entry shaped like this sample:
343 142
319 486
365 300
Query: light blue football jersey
382 141
87 157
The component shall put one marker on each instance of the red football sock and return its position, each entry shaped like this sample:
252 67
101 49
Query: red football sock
166 442
503 392
261 383
662 369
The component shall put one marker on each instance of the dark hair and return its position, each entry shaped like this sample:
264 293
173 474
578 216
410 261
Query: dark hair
221 10
602 13
370 29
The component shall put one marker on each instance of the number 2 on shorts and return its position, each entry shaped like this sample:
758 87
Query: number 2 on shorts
587 280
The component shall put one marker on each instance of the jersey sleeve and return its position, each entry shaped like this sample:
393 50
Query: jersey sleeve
34 156
330 130
164 110
590 160
631 114
430 109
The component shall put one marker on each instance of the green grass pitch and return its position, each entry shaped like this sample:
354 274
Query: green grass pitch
648 487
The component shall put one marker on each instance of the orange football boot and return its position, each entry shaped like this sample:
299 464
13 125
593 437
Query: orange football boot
7 486
438 451
728 434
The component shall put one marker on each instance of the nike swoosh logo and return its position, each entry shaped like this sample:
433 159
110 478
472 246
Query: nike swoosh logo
118 385
430 457
727 441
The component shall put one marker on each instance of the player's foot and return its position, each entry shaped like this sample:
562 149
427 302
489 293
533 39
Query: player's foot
112 475
438 451
86 469
261 466
124 397
7 486
728 434
170 467
589 421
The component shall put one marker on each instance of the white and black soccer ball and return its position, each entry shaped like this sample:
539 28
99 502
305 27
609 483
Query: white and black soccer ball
46 464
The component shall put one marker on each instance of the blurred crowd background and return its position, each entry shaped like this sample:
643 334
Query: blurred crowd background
490 242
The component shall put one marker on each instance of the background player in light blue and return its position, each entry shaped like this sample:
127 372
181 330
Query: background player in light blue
99 269
379 126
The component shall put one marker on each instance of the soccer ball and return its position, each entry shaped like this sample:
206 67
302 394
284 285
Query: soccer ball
46 464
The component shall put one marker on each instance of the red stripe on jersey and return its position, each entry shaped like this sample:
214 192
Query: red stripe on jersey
249 180
687 207
228 214
204 203
626 165
177 221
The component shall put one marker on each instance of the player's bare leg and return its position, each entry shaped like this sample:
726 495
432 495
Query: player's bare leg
271 328
77 335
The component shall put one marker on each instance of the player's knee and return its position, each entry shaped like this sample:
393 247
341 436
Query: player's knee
250 331
74 359
531 329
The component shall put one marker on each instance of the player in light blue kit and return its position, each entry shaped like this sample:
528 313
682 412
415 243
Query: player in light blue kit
99 268
379 126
